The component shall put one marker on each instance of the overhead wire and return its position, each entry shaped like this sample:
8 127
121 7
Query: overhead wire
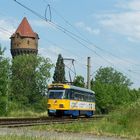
84 45
60 28
52 43
78 41
69 69
5 31
57 26
66 66
36 15
82 65
64 31
78 62
89 48
83 38
66 50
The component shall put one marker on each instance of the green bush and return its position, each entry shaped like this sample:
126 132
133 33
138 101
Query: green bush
3 106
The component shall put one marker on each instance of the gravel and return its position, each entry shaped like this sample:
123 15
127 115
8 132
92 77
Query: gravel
50 135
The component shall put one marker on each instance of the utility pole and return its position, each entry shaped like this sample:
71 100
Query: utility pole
88 72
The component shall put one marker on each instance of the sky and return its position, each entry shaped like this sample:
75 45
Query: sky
108 31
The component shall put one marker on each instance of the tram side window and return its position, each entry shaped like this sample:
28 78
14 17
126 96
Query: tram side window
71 95
80 96
77 95
67 94
83 97
74 95
91 98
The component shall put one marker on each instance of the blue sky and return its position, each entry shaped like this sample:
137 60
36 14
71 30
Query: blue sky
111 29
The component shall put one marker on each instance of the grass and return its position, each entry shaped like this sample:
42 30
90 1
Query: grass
28 113
23 137
124 122
15 137
40 137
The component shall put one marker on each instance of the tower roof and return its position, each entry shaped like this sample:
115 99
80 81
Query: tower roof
25 30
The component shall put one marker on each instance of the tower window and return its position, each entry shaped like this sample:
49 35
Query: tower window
17 35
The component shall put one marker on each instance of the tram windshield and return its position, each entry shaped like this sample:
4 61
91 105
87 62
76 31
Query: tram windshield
56 94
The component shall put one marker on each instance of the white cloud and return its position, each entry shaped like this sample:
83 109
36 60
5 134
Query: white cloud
130 39
126 23
43 24
133 5
88 29
9 25
50 52
6 29
40 23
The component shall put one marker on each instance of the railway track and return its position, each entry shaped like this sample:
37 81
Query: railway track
24 122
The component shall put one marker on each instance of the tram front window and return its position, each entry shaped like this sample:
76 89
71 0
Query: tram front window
56 94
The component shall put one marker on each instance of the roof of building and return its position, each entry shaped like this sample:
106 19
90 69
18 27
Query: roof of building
25 30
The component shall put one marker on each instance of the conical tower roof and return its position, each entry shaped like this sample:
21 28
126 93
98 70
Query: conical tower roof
25 30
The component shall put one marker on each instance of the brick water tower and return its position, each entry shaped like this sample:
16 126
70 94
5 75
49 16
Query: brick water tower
24 40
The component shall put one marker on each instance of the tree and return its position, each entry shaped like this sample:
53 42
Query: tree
4 82
109 75
59 73
111 88
30 75
79 81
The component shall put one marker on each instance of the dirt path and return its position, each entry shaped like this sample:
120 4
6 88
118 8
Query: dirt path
49 135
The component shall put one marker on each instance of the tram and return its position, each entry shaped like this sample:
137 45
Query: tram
68 100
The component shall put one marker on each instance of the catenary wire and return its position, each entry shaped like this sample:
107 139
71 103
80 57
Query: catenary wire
45 19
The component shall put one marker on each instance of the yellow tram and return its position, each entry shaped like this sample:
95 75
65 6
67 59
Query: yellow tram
64 100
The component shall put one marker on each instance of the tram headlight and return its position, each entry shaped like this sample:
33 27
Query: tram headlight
61 106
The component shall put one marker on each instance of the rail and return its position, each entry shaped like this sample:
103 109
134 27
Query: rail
24 122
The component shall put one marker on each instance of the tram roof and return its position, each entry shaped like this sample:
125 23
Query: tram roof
67 86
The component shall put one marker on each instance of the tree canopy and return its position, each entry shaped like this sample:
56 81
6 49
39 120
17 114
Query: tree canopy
23 84
30 74
4 81
111 88
59 72
79 81
109 75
